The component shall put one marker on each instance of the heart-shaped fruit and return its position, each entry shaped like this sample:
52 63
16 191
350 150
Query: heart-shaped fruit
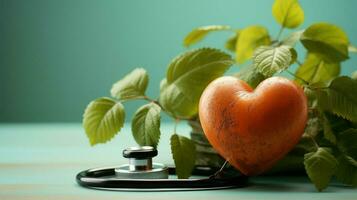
253 129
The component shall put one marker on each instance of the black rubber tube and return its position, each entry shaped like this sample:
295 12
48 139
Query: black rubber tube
100 178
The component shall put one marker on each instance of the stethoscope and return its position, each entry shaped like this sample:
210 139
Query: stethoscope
141 174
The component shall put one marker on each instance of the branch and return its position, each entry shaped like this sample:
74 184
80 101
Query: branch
297 77
280 32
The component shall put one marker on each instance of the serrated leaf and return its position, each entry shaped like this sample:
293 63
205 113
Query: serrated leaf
326 40
338 124
231 42
347 170
340 97
133 85
347 142
320 167
103 119
184 155
251 76
328 132
249 39
294 55
145 125
314 70
292 39
270 60
199 33
187 76
288 13
352 48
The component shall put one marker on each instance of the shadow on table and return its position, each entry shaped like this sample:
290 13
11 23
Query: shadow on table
287 184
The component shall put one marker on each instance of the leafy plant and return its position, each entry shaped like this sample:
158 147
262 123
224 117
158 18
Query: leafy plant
329 145
187 76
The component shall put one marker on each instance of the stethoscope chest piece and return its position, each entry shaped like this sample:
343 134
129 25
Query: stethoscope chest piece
140 165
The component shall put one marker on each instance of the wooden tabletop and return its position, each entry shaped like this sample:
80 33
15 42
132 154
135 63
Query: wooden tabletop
40 161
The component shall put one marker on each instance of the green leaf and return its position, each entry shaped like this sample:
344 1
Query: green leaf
199 33
231 42
314 70
311 97
292 39
354 75
249 39
328 132
187 76
320 166
270 60
347 170
288 13
294 55
340 97
326 40
103 119
251 76
352 48
338 124
312 127
347 142
146 125
133 85
184 155
305 145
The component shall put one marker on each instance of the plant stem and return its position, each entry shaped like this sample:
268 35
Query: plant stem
154 101
280 32
221 169
297 77
298 62
319 88
314 141
175 125
147 98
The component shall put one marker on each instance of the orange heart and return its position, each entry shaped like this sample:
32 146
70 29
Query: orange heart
253 129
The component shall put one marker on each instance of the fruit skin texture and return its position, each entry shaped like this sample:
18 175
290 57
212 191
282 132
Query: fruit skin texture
253 129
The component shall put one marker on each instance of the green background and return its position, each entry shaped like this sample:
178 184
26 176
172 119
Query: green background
56 56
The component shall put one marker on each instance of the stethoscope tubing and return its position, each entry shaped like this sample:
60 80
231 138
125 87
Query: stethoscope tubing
103 179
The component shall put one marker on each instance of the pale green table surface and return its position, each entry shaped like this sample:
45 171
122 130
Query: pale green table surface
40 161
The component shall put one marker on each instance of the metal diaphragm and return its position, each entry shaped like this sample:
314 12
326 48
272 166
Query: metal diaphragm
140 165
